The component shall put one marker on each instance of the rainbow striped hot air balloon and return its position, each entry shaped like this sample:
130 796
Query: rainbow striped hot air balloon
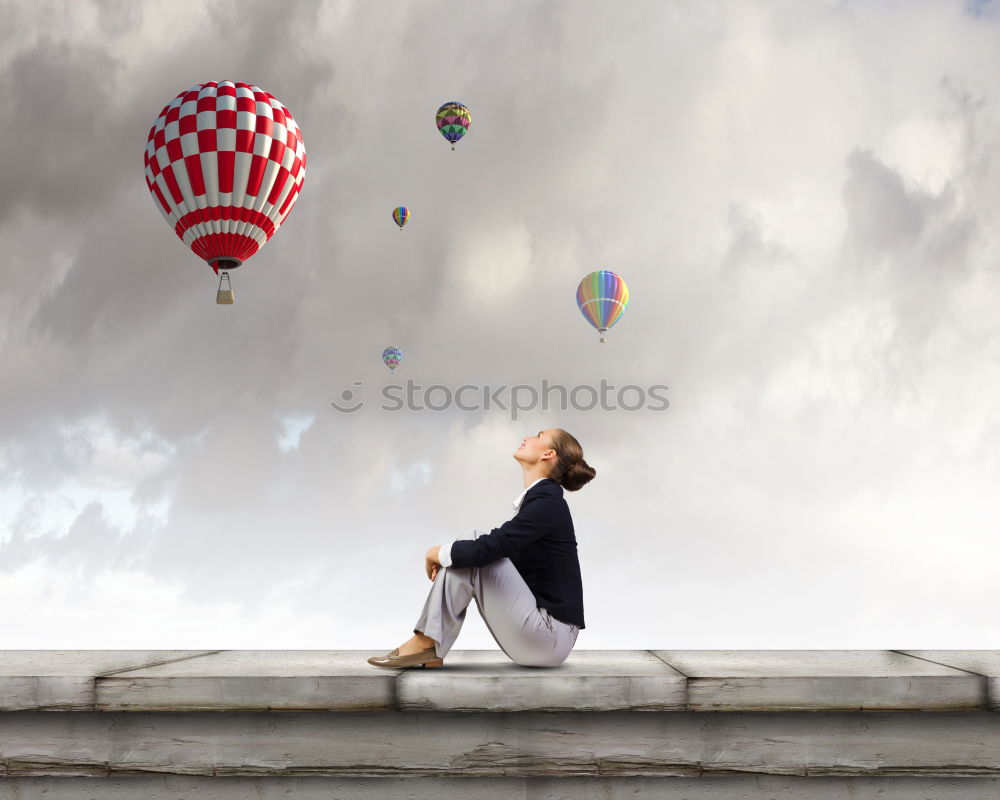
400 216
392 356
453 120
602 297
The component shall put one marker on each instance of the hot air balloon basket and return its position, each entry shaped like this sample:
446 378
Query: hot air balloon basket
225 296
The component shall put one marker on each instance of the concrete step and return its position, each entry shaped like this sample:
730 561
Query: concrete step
485 680
172 723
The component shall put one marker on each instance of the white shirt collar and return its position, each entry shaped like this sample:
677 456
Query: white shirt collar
517 500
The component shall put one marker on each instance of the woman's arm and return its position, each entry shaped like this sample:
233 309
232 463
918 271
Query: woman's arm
537 518
432 561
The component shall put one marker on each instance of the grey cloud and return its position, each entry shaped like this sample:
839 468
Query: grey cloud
270 40
91 544
749 246
587 150
883 215
118 17
58 158
923 240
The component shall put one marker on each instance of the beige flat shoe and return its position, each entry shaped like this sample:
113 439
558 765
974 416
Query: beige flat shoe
393 660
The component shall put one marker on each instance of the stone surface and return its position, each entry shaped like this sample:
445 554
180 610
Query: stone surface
979 662
254 680
751 787
589 680
485 680
64 680
487 745
823 680
772 723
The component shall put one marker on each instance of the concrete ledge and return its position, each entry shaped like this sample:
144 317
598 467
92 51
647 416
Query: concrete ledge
493 745
826 716
486 681
66 680
822 680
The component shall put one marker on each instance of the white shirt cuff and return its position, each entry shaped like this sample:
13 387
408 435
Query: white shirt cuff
444 554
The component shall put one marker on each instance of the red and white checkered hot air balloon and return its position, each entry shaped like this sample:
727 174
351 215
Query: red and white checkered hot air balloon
225 162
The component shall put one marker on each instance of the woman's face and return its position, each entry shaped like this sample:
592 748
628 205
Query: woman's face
533 447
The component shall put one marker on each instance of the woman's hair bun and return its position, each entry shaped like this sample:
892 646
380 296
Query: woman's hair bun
578 474
571 471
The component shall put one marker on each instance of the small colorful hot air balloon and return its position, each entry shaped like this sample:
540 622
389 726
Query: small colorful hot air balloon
453 120
602 297
224 162
392 356
400 216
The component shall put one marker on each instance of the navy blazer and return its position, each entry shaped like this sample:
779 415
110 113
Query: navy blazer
541 543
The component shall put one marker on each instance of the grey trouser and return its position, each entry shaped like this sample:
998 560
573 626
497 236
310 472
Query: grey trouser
529 636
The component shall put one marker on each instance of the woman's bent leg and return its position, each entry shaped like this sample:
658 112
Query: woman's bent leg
444 610
527 634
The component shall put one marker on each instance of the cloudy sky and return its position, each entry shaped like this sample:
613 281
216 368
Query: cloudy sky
801 196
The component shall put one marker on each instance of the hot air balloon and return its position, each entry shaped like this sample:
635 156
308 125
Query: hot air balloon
392 356
602 297
453 120
225 163
400 216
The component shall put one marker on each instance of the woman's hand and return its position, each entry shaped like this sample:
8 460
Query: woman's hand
431 562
